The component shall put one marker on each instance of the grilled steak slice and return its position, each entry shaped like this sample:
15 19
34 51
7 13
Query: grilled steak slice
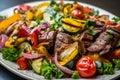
65 38
106 49
62 40
105 40
47 39
100 42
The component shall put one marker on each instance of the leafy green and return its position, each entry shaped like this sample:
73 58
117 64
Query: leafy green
108 68
48 70
92 32
95 13
117 63
52 2
90 26
55 15
118 44
2 17
110 34
10 54
75 75
116 20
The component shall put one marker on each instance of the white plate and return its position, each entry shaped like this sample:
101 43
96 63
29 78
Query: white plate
28 74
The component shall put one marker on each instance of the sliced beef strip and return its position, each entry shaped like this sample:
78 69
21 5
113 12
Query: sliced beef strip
65 38
48 38
104 43
100 42
106 49
62 40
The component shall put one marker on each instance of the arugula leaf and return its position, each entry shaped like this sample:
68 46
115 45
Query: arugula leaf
116 20
117 63
75 75
10 54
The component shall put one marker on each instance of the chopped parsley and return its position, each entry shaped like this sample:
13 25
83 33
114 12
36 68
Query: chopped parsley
116 20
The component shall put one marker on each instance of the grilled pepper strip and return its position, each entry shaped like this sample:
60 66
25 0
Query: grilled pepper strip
74 22
7 22
71 55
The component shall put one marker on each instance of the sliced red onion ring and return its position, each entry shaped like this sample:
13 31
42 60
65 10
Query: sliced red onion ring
10 28
32 56
47 24
3 38
24 26
38 28
64 69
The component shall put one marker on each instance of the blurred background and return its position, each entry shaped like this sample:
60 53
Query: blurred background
113 6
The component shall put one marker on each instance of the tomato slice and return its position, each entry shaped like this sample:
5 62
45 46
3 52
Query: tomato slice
22 62
77 13
86 67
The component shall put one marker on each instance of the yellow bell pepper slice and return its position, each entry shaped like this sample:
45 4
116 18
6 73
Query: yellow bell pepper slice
30 15
41 49
66 9
41 9
19 40
71 55
74 22
8 43
7 22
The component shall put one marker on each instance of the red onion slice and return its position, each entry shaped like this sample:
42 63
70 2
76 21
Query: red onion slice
38 28
62 68
32 56
10 28
3 39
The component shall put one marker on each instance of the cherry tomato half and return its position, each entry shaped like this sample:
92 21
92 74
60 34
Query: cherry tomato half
86 67
76 13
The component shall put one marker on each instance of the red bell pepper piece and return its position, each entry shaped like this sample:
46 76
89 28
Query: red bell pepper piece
23 33
34 40
22 62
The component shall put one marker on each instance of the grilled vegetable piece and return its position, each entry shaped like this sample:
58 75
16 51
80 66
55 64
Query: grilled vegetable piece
70 29
29 15
7 22
36 65
24 47
68 54
74 22
41 9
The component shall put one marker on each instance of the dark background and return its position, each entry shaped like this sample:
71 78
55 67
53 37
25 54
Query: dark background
112 6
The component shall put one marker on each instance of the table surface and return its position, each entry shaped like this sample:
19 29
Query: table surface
109 5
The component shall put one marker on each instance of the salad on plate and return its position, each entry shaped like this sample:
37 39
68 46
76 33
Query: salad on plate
61 40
